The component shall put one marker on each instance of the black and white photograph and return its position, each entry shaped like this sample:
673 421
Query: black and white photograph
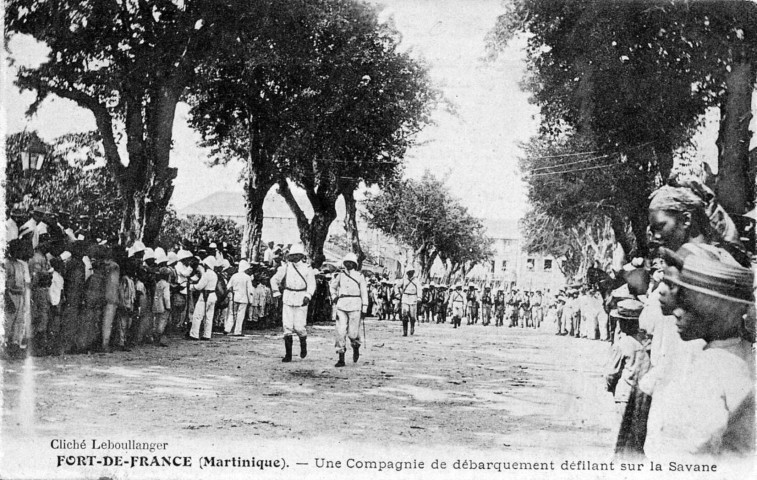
378 239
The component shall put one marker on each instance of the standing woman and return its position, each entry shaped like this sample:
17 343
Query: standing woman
73 292
17 305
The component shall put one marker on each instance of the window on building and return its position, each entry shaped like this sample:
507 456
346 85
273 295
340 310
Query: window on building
530 263
547 265
504 265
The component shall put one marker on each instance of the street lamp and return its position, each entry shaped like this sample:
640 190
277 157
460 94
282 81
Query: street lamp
33 156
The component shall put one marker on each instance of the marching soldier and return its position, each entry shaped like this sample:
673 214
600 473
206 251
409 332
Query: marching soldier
376 293
424 303
499 307
457 299
513 305
349 291
396 299
409 292
486 306
441 303
472 299
537 314
433 300
297 281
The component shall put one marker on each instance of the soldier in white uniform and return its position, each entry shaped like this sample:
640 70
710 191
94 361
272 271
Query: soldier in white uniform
410 291
457 301
349 292
297 282
206 304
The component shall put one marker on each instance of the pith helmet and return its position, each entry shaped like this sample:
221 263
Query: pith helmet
350 257
297 249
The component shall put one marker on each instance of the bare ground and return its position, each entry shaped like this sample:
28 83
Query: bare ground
485 387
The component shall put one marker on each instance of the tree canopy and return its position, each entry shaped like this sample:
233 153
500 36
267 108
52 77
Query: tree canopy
332 104
199 231
128 62
622 86
425 216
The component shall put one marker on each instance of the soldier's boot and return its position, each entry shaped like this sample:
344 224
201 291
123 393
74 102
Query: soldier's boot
288 349
340 363
412 328
303 347
404 327
355 353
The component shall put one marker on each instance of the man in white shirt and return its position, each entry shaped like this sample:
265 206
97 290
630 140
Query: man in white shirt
239 290
708 408
349 292
297 281
268 255
206 304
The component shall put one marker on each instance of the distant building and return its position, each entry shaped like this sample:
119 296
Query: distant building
279 223
512 264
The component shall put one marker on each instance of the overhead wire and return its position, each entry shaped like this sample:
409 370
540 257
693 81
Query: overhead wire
572 163
619 154
577 170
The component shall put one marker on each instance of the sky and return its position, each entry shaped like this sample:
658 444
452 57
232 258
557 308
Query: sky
476 150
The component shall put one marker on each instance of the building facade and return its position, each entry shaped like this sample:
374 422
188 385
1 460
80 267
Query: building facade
511 264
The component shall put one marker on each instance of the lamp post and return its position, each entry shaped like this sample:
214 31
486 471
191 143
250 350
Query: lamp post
33 156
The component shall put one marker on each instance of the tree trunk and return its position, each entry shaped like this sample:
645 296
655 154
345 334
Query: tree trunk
426 269
318 232
313 233
146 184
350 224
734 185
155 210
253 229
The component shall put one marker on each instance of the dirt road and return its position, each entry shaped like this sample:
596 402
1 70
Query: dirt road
483 388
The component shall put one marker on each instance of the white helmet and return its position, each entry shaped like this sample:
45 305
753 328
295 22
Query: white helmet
350 257
160 255
243 265
172 258
297 249
210 262
183 254
138 246
149 253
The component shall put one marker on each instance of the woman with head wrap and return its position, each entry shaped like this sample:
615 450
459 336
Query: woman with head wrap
687 212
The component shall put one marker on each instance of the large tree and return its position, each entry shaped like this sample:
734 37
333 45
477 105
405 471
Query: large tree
330 103
128 62
423 215
623 80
